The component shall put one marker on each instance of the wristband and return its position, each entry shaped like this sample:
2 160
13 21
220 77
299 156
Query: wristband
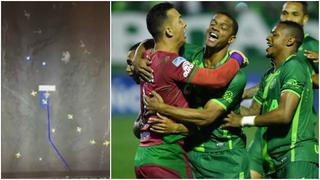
237 57
247 121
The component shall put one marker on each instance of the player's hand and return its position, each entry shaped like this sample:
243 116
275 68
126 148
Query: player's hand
163 125
240 57
233 120
153 102
142 65
314 56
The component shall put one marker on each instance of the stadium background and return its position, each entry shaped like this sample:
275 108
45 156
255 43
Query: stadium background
255 19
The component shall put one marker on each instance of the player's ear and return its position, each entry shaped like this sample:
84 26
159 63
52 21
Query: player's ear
290 41
305 19
231 39
168 31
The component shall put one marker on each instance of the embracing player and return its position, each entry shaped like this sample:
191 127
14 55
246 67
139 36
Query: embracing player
213 149
162 156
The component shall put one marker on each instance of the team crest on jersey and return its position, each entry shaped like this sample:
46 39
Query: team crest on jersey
228 96
177 61
292 82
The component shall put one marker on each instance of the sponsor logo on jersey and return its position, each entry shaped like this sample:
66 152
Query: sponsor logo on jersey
187 67
177 61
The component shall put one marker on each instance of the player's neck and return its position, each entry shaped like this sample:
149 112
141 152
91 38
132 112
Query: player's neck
282 57
213 57
166 46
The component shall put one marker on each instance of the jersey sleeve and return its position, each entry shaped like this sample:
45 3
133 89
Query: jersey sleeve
180 69
215 78
310 44
233 93
293 77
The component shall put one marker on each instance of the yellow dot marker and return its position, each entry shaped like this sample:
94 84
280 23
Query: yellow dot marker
106 143
53 130
70 116
92 141
18 155
33 93
79 129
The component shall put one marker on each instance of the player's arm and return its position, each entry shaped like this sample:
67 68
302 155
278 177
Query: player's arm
279 116
314 57
201 117
210 112
293 83
250 92
311 55
254 109
315 80
219 77
257 100
141 64
164 125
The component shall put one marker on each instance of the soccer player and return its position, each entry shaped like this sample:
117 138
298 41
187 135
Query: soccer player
216 153
162 156
297 11
175 127
288 139
130 67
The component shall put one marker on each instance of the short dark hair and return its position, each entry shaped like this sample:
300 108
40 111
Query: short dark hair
234 22
148 44
304 6
155 18
295 29
134 47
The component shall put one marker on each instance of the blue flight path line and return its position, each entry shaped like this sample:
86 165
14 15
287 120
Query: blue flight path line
49 132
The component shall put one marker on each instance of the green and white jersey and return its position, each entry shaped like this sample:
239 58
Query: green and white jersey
311 44
295 141
212 138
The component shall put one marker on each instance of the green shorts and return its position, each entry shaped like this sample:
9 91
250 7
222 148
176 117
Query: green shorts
226 164
165 156
298 170
256 158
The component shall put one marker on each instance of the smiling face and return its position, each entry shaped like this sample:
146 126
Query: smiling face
220 32
276 41
293 11
175 26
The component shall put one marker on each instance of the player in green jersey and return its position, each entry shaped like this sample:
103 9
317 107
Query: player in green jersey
213 150
297 11
308 51
289 146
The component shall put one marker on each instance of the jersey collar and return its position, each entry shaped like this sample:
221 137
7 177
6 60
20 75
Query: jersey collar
224 59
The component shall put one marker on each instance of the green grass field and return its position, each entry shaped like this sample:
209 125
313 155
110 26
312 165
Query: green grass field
124 146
